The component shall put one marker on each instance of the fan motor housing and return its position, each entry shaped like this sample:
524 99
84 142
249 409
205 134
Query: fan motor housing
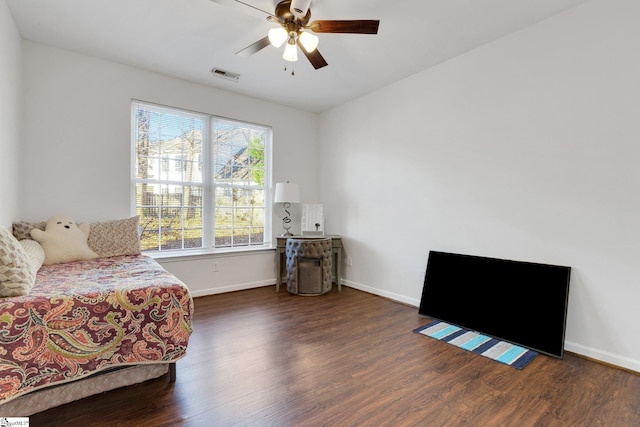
283 11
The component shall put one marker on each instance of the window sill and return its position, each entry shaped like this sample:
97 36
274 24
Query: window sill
191 254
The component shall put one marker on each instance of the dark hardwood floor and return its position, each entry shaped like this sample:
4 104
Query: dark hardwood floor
260 358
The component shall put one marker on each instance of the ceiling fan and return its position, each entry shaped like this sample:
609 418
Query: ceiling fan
293 17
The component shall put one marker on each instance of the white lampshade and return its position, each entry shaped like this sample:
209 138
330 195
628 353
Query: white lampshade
277 36
290 52
287 193
308 41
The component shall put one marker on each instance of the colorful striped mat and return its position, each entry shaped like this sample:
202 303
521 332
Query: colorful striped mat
500 351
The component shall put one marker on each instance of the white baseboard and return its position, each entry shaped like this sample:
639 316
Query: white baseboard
390 295
232 288
603 356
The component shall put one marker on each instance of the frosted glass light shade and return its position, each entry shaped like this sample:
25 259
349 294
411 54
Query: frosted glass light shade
290 53
308 41
287 192
277 36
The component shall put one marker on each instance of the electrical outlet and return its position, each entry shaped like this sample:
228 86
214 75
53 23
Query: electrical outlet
349 261
215 267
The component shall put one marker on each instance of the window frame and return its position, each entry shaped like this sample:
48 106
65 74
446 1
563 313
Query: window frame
209 183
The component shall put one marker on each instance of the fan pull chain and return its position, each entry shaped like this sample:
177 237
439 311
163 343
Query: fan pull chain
292 69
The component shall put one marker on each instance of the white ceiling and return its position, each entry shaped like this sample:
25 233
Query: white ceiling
187 38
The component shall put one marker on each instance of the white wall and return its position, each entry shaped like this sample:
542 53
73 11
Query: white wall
526 148
10 106
77 147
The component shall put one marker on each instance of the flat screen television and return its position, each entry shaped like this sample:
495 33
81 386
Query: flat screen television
521 302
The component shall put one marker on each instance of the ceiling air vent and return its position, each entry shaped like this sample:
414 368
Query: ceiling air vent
228 75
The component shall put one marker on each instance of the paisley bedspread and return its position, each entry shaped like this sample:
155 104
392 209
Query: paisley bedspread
87 316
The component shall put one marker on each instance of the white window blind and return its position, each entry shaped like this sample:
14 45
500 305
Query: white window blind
200 181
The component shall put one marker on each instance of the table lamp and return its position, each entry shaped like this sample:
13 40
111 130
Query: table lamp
286 193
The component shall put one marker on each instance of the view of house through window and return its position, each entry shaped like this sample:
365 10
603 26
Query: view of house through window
200 180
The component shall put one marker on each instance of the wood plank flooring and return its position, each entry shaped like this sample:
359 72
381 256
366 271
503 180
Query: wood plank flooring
261 358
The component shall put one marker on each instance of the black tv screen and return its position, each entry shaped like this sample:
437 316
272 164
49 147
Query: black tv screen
521 302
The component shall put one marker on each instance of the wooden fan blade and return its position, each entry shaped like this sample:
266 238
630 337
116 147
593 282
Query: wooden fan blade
314 57
257 46
362 26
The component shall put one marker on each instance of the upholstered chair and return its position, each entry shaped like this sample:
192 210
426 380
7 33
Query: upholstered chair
309 269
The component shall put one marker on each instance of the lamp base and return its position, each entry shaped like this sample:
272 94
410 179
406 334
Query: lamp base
286 234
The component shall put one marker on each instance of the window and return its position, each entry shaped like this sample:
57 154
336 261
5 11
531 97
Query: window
213 195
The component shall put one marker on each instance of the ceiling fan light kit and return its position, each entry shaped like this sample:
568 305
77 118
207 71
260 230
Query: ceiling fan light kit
277 36
293 17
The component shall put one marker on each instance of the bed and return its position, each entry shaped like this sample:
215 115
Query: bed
124 316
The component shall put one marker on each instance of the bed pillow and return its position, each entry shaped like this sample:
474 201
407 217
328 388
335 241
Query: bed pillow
22 229
16 275
35 254
114 238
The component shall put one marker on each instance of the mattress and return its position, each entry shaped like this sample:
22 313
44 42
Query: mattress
85 317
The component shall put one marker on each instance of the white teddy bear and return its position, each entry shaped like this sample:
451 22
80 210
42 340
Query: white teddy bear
63 240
